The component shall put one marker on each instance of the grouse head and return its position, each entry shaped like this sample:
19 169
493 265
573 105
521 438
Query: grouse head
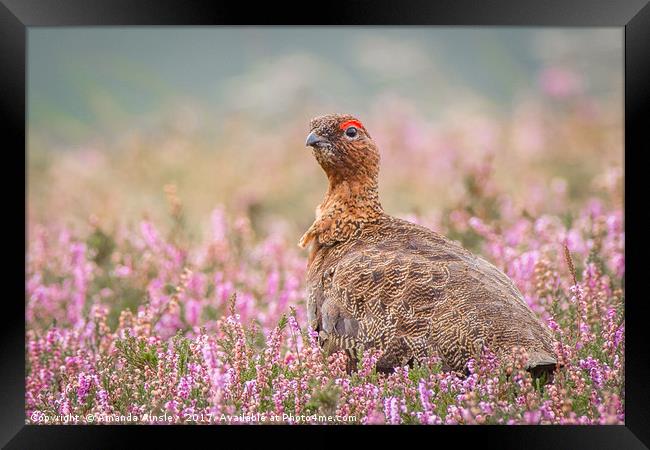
344 149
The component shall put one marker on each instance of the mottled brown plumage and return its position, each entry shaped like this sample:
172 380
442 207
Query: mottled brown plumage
375 281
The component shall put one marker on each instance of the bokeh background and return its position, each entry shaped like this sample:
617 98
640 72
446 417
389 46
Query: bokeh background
219 116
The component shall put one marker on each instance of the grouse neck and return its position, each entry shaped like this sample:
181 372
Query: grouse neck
352 200
348 205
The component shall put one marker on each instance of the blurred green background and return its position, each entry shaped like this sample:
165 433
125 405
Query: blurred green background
219 116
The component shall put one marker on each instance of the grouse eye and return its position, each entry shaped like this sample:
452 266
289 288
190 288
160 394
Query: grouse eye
351 132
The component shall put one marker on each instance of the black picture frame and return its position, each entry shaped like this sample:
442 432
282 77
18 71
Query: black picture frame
631 15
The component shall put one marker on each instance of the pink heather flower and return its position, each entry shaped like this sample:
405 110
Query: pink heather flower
392 410
369 362
290 359
594 208
246 306
250 397
197 284
617 264
85 383
150 234
376 418
486 407
184 387
122 271
270 357
618 336
516 233
427 416
64 407
193 312
480 227
172 406
459 219
102 400
219 226
223 289
522 269
575 241
552 324
598 372
532 417
272 285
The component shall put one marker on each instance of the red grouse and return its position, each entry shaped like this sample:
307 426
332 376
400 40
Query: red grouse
376 281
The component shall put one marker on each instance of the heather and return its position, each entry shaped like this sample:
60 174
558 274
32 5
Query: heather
164 281
142 318
152 327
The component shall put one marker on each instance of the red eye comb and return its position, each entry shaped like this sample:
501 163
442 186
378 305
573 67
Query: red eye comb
348 123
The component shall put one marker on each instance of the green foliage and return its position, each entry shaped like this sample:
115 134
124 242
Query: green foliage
101 245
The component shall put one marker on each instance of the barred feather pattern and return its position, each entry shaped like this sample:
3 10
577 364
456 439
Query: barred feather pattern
412 293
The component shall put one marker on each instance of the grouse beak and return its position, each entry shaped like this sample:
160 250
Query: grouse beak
314 140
